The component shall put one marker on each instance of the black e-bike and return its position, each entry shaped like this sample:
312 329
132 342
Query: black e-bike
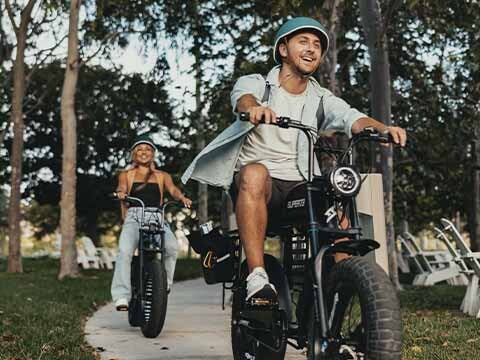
344 310
148 304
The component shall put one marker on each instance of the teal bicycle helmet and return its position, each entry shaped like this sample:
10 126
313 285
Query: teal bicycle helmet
143 139
296 24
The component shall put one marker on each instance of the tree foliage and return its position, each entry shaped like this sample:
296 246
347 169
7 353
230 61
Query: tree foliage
434 55
433 67
111 108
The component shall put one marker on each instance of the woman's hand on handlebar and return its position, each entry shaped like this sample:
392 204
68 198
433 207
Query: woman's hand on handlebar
186 201
120 195
261 114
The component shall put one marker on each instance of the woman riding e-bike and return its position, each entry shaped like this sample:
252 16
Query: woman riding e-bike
142 180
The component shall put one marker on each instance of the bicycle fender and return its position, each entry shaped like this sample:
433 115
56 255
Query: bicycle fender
354 247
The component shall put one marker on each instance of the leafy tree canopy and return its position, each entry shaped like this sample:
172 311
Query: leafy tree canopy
112 108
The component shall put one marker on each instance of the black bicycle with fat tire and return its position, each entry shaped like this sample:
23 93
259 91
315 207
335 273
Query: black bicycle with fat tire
147 308
344 310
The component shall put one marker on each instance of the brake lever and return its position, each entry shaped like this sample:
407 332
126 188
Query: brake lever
282 121
373 135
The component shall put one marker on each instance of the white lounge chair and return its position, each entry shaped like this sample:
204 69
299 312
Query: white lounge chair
410 259
102 254
85 257
437 266
456 257
471 301
86 261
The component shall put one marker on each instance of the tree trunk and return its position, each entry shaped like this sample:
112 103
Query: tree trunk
4 56
373 21
16 118
68 258
328 70
475 213
202 188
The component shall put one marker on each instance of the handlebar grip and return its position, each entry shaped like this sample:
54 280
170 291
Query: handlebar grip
385 138
244 116
373 135
114 196
127 199
282 121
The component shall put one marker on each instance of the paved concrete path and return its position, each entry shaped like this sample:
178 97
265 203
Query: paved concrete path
195 328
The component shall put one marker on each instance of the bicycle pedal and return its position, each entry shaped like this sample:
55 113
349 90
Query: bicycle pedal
262 302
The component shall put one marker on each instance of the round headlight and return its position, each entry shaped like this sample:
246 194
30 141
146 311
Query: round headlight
345 181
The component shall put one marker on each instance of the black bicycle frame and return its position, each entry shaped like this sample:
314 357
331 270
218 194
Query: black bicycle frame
146 231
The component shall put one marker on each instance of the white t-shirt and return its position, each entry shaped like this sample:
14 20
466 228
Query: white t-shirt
272 146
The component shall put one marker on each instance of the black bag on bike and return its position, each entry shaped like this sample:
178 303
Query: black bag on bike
216 254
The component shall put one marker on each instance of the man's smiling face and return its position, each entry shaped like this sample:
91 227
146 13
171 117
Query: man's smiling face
302 51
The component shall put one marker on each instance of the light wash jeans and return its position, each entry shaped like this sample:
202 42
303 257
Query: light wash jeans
121 287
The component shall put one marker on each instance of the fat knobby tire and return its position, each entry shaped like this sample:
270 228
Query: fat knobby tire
156 299
379 303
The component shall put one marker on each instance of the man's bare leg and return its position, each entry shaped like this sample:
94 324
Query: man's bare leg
254 191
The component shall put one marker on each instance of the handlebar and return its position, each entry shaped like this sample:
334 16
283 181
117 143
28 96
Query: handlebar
368 134
132 199
282 121
313 135
371 134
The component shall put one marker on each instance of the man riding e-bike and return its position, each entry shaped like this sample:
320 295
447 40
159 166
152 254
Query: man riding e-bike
261 163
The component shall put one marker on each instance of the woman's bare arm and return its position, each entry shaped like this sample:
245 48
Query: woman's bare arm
121 191
175 191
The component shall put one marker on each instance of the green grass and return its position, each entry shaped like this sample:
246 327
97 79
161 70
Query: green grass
434 327
42 318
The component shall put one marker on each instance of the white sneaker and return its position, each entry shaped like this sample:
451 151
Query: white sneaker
121 304
258 286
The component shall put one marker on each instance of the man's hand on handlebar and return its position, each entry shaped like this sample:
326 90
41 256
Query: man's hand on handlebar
262 114
398 134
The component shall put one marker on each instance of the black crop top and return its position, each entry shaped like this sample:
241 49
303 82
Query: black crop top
149 194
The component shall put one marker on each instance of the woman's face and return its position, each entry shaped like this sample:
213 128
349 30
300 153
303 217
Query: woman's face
143 154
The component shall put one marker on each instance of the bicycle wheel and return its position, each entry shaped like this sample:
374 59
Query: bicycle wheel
155 305
363 314
244 346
